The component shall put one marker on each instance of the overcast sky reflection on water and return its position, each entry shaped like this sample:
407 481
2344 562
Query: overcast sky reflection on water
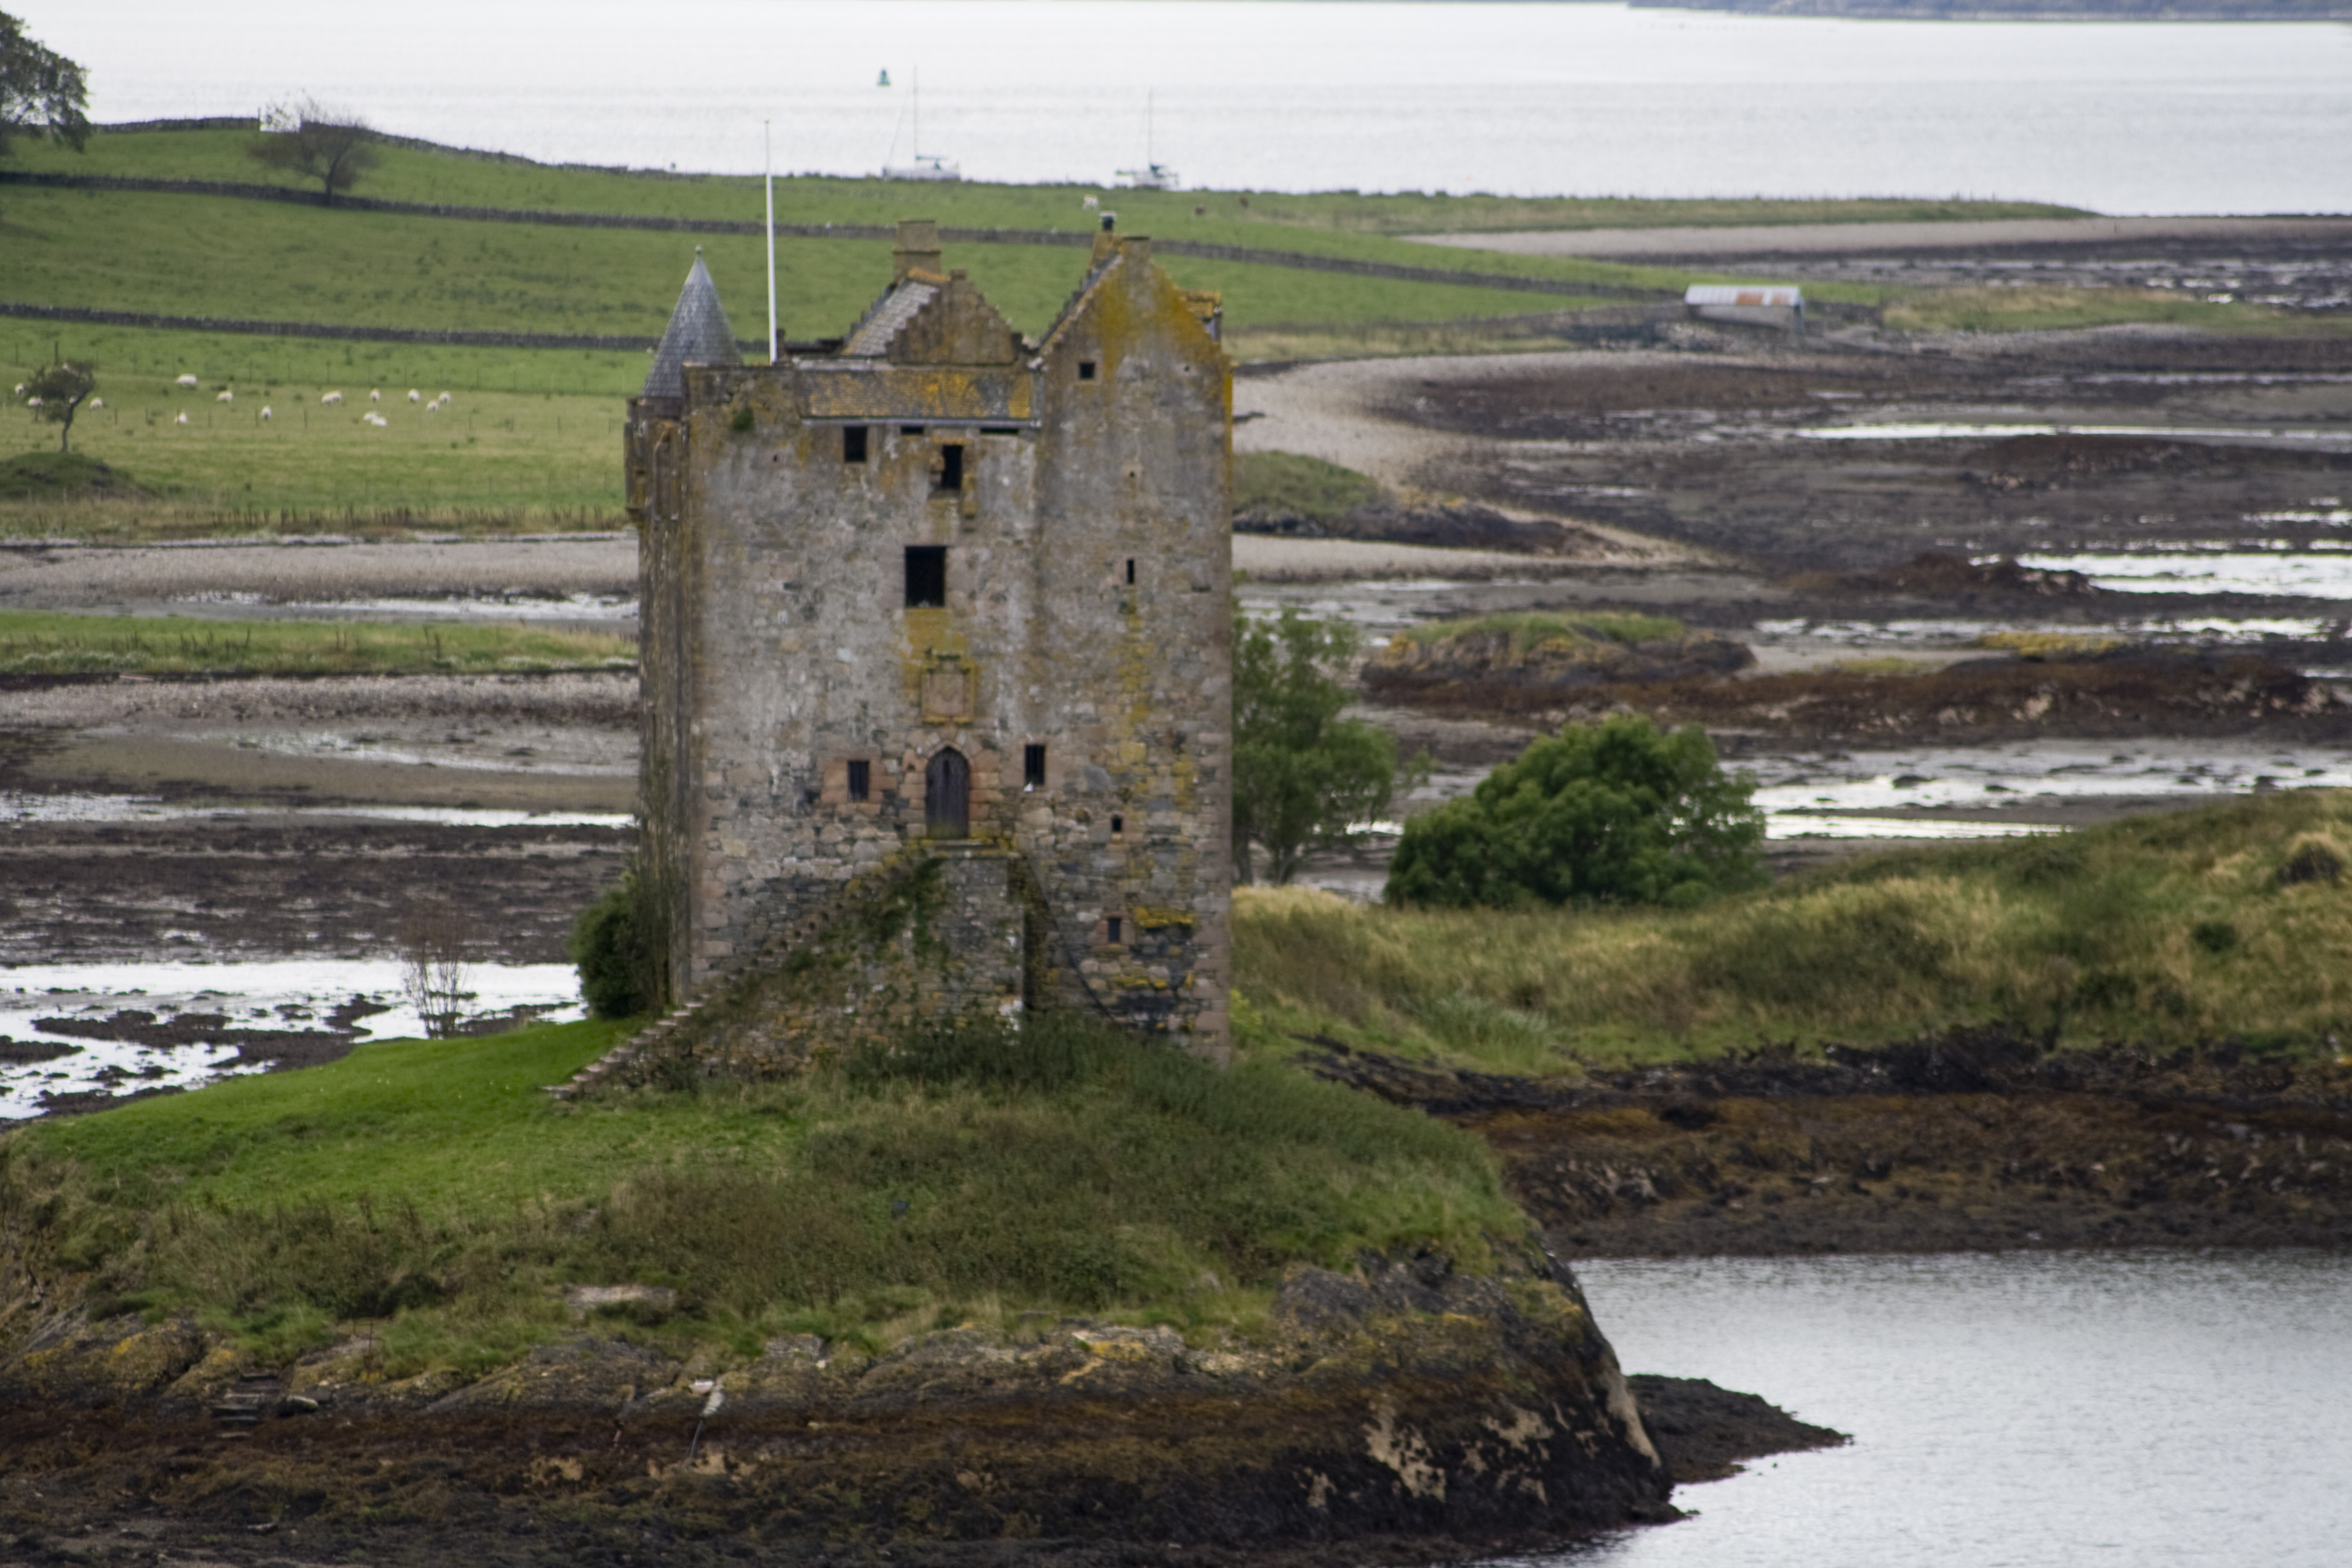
2139 1409
1520 99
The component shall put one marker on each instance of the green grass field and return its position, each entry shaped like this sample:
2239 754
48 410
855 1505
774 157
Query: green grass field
218 257
433 1183
35 642
540 445
2159 930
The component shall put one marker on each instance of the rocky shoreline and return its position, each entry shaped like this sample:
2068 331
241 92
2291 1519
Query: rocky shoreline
1400 1411
1976 1140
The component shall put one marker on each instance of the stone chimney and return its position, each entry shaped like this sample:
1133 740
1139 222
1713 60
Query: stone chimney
917 249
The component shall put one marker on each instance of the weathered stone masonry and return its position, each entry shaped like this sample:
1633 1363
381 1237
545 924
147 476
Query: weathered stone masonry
932 593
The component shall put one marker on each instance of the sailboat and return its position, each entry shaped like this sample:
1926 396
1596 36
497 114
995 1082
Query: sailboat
920 165
1153 176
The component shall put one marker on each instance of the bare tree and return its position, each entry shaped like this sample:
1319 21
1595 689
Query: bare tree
333 146
56 392
435 940
39 90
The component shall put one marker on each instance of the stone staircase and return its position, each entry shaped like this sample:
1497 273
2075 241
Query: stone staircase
731 975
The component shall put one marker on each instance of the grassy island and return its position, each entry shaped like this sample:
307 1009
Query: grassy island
965 1178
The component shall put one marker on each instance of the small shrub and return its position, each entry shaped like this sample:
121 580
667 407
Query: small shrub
613 947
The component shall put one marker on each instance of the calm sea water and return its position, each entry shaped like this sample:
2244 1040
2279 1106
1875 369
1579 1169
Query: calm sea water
1524 99
2017 1411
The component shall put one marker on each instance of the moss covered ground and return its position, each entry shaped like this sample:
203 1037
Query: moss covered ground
434 1186
2226 923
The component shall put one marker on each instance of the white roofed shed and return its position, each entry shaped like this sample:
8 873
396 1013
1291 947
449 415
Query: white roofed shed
1759 305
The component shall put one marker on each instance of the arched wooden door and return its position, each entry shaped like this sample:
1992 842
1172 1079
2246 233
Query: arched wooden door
947 795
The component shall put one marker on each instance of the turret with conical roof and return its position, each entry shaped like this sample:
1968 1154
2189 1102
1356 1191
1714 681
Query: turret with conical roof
698 335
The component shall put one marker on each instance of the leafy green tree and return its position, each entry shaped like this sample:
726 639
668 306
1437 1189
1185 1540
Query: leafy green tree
332 146
1303 776
1615 813
40 89
56 393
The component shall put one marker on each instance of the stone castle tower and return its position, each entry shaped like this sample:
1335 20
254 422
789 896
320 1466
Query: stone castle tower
937 619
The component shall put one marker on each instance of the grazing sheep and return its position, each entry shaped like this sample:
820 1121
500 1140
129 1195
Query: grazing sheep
182 419
264 410
376 397
98 403
187 381
443 398
415 395
32 403
226 397
373 418
432 408
332 397
20 390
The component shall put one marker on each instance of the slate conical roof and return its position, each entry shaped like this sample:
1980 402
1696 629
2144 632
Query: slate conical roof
698 335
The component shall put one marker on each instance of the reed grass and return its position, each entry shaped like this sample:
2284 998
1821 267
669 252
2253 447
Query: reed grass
2079 938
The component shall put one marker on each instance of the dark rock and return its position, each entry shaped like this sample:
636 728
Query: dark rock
1702 1432
1316 1299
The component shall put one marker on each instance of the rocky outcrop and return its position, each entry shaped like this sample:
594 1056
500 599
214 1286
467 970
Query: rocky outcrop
1403 1400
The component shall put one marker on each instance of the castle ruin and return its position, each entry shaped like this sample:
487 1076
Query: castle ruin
936 626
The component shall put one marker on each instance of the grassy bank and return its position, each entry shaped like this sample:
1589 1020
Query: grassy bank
33 642
2168 930
2052 308
972 1178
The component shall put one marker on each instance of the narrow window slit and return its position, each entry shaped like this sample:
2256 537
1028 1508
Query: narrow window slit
861 780
853 442
1033 766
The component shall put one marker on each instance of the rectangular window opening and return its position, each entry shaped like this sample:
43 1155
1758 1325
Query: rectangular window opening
950 467
1130 571
1086 370
1033 766
853 442
910 429
1116 928
861 779
1000 430
927 576
1118 825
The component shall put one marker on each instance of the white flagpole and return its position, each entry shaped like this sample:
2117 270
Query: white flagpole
768 151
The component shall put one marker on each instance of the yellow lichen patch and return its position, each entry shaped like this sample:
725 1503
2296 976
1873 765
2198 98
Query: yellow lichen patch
1402 1450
